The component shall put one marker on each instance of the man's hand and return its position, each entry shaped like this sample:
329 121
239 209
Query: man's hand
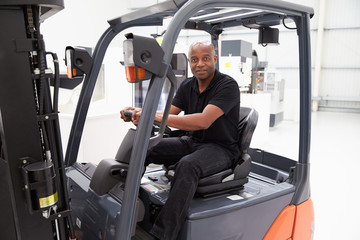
135 116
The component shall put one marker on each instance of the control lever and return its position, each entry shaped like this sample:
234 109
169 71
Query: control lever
128 114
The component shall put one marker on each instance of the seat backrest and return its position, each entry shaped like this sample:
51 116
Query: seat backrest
248 118
235 178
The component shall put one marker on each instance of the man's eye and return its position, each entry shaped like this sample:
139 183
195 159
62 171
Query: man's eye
193 60
206 58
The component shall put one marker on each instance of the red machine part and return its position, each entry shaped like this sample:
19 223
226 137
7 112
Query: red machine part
293 223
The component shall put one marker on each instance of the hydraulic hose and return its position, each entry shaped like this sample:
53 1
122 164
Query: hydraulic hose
56 81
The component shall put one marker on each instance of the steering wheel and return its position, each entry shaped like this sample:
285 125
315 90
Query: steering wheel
156 125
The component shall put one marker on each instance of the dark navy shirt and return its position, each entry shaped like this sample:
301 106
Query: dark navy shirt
223 92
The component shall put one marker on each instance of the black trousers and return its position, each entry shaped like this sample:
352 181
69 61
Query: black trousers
193 160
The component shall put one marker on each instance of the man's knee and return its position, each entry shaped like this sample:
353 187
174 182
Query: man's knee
188 166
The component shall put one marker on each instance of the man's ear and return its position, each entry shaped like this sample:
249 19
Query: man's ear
215 58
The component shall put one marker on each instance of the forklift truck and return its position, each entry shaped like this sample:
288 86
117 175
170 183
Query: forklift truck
272 203
114 200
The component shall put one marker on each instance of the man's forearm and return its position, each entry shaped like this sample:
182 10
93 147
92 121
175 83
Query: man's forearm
191 122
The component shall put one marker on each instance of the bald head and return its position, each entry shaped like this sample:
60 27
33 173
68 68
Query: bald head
202 59
202 44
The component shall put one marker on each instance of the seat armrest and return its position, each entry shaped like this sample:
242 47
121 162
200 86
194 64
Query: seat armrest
107 174
243 167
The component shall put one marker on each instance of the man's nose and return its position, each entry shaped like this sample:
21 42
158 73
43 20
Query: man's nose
200 63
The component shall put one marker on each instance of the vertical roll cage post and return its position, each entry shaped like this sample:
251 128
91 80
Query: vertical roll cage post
302 174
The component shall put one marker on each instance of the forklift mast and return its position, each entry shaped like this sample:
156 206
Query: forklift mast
33 198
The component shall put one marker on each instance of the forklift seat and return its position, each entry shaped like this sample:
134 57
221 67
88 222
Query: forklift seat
234 178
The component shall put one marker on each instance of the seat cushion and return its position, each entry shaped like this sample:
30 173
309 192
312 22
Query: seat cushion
221 187
215 178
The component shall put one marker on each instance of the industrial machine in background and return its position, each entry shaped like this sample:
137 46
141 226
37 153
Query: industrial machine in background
236 61
270 81
46 197
239 60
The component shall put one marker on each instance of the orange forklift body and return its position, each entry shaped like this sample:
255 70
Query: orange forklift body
293 223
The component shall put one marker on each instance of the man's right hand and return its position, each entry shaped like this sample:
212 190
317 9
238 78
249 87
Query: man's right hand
135 116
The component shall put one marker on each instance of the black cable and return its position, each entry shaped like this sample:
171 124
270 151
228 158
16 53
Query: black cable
1 150
283 22
56 81
245 25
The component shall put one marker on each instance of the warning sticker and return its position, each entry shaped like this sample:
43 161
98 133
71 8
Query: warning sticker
78 223
235 197
48 201
246 195
150 187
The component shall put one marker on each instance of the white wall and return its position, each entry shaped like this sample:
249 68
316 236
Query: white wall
339 79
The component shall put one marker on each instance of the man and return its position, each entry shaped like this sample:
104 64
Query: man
210 101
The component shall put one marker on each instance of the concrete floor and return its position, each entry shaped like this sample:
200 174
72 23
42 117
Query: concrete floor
335 171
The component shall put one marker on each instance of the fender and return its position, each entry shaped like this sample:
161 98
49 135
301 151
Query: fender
293 223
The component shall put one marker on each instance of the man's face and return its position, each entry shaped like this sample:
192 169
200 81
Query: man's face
202 61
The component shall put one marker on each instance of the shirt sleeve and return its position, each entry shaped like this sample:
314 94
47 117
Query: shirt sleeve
227 96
